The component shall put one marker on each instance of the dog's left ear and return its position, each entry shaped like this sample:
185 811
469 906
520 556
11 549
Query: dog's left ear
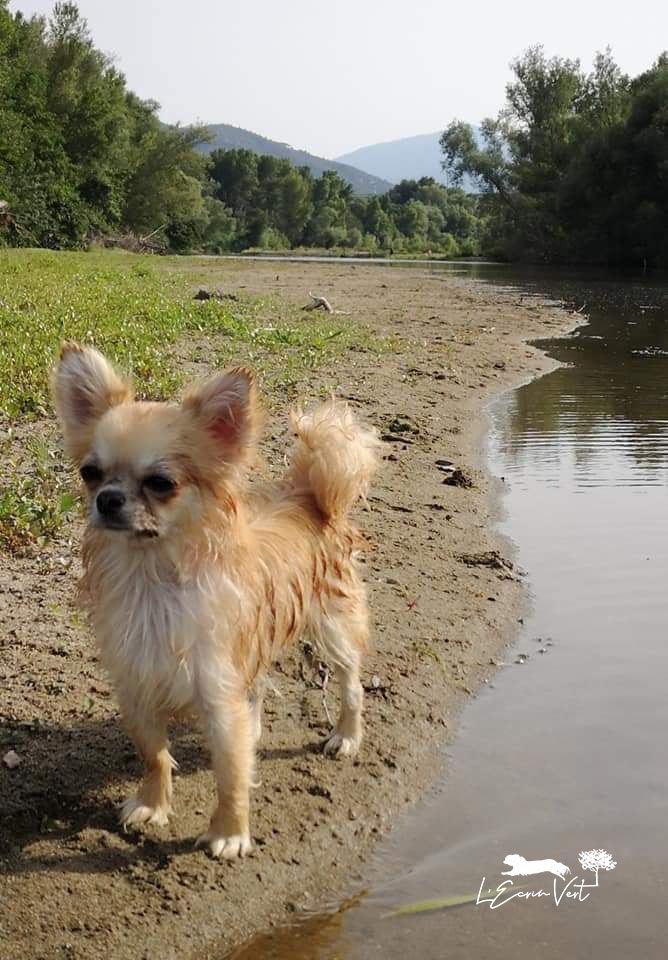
84 386
226 407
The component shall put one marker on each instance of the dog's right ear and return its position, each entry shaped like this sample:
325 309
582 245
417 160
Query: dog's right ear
84 386
226 407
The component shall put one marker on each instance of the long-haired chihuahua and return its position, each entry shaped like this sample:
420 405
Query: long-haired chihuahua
195 581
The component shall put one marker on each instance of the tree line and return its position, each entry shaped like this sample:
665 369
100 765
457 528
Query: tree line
575 167
81 156
274 205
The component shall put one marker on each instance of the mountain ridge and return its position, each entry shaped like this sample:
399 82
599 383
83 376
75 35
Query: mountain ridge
407 158
225 136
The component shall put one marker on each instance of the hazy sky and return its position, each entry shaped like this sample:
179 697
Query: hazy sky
332 76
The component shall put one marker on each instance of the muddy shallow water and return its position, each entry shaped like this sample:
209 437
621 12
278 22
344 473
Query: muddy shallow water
565 751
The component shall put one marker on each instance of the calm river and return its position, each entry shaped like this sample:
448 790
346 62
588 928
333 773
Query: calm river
565 752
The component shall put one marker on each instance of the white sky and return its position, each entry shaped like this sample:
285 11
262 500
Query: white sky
332 76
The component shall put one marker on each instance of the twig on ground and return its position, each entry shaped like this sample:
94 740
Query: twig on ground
152 233
318 303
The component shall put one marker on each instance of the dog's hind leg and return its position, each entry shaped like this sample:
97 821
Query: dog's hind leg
342 639
152 804
229 727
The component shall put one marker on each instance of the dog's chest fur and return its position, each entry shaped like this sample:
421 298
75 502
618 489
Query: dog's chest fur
156 630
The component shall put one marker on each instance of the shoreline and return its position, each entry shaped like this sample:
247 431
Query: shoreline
442 615
290 256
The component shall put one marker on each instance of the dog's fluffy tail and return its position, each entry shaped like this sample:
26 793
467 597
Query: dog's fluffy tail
334 457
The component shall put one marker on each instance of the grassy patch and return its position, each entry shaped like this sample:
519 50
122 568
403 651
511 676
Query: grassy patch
282 346
136 310
35 499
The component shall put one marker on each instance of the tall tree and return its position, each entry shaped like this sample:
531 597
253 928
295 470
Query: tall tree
558 163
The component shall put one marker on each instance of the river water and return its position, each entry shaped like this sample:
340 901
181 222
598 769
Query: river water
565 751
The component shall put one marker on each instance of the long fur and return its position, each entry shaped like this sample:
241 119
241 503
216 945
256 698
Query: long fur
195 602
334 458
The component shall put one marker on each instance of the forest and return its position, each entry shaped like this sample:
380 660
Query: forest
82 157
573 169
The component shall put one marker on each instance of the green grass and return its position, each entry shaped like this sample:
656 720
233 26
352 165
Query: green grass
135 309
140 312
36 498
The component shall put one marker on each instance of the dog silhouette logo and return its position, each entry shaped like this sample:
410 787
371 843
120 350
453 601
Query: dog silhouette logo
526 868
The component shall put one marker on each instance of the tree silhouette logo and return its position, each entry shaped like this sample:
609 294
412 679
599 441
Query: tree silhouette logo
596 860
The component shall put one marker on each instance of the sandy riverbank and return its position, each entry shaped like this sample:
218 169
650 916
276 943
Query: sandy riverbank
73 885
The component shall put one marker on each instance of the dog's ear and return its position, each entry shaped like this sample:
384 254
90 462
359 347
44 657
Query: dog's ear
226 408
84 386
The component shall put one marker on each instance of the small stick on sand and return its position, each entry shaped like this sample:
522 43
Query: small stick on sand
318 303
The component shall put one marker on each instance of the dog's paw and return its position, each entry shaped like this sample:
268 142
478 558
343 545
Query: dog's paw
229 848
340 746
134 811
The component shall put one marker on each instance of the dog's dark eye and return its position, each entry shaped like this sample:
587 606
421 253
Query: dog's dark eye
90 473
157 483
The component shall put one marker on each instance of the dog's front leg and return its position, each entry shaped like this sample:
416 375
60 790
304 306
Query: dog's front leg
231 737
256 701
152 804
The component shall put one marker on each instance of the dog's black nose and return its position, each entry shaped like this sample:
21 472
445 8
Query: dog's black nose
109 502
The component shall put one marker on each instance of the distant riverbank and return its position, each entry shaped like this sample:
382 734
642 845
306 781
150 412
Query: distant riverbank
327 256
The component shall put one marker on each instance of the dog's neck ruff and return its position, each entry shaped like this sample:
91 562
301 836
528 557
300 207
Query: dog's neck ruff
152 604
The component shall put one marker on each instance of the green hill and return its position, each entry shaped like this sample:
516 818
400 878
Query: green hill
227 137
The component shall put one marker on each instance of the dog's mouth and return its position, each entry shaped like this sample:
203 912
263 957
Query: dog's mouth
125 525
137 533
116 526
146 533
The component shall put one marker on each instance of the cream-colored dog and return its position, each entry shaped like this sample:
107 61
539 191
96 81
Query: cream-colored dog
195 585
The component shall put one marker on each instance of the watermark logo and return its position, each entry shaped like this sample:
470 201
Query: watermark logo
567 887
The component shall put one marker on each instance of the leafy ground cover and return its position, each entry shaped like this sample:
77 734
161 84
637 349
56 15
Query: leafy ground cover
141 312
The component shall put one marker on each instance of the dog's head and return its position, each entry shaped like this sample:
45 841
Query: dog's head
513 859
150 468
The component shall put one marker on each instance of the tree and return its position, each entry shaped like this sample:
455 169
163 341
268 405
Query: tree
596 860
79 153
413 219
163 174
220 231
378 223
572 167
235 175
285 195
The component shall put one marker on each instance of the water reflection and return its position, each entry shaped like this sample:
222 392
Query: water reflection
608 406
308 939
